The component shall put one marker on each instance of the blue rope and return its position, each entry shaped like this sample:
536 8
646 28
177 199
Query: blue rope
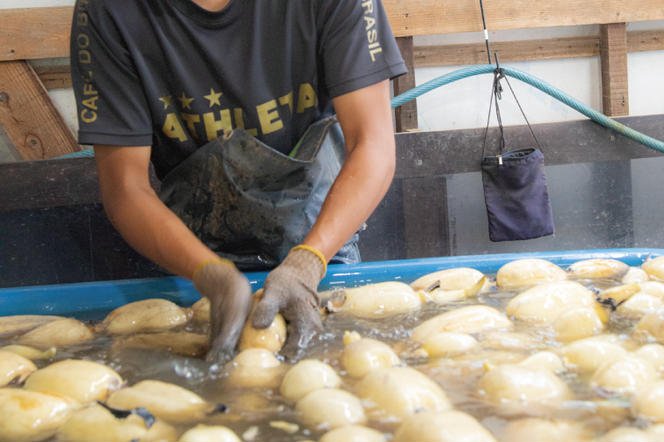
519 75
539 84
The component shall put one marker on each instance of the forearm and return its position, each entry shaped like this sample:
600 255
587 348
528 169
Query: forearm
154 231
361 185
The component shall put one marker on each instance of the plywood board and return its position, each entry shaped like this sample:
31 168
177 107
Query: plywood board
31 33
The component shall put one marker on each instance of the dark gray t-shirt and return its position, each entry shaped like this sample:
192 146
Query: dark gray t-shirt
170 74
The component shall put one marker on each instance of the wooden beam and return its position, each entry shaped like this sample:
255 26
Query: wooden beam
31 33
54 77
28 115
613 54
406 114
645 41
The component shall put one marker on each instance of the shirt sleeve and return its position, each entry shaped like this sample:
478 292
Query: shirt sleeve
356 45
111 104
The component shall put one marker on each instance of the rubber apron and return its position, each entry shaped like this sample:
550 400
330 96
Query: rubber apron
250 203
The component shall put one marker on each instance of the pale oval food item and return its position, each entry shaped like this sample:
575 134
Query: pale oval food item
626 434
201 310
353 433
59 333
380 300
648 402
31 416
544 360
545 430
399 392
271 338
587 355
654 268
95 423
510 341
545 302
449 344
653 354
651 326
520 389
148 315
30 352
469 320
254 367
18 324
181 342
447 426
450 285
639 305
83 381
209 433
330 408
14 367
360 356
528 272
623 376
578 323
165 401
306 376
634 274
598 268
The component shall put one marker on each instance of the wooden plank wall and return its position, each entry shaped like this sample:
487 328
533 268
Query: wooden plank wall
37 33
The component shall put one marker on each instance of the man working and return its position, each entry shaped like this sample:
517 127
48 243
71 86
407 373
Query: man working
230 101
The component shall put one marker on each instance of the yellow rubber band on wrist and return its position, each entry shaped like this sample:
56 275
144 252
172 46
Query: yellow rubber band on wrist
315 252
200 266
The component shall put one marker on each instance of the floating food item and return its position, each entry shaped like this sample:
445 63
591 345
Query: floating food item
634 274
648 402
654 268
472 319
59 333
544 430
528 272
514 388
306 376
201 310
598 268
209 433
165 401
362 355
83 381
509 341
378 300
18 324
148 315
544 360
653 354
580 322
475 363
587 355
31 416
97 423
449 344
450 285
353 433
254 367
623 376
447 426
330 408
30 352
271 338
398 392
627 434
14 367
651 327
634 300
615 296
181 343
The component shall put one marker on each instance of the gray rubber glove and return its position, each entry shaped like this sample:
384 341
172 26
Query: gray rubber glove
291 289
229 293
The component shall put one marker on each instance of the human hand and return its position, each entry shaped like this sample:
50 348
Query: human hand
229 293
291 289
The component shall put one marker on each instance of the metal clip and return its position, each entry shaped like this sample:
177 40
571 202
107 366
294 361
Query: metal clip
500 160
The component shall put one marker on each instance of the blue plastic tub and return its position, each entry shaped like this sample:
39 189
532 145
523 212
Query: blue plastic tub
94 300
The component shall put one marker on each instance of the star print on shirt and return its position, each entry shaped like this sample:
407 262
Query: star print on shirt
166 100
186 101
214 97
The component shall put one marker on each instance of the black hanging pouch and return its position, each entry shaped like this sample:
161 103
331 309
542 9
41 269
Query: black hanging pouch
515 192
